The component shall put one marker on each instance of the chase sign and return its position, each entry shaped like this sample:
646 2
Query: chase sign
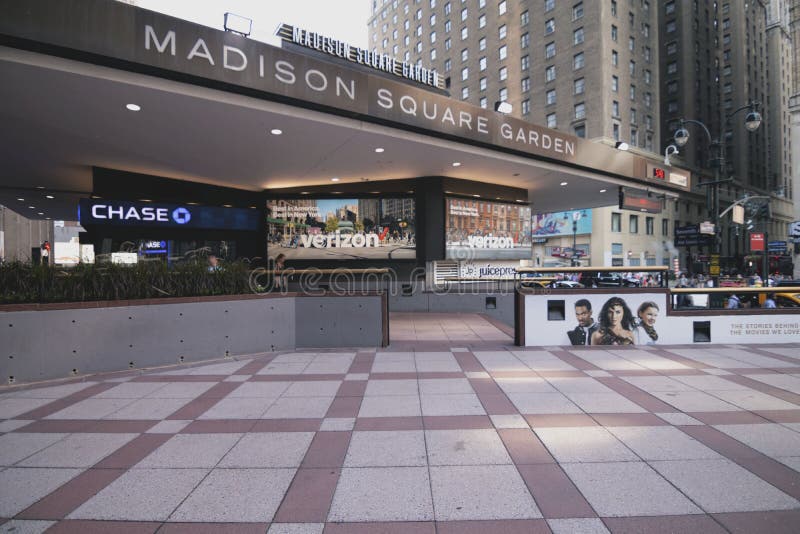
95 212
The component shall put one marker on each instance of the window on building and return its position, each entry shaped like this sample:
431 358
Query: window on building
577 61
632 92
483 102
482 64
614 33
633 116
648 122
672 107
631 44
464 33
419 47
482 44
550 97
669 7
672 87
550 73
447 65
464 73
549 26
648 55
503 52
549 5
464 93
503 94
614 58
577 11
482 21
464 54
646 30
634 141
671 26
448 44
633 224
577 36
524 18
580 111
503 73
551 120
433 37
501 32
615 109
614 83
463 14
664 226
615 131
448 26
672 67
502 8
526 107
433 19
613 8
632 68
578 86
648 99
482 84
648 76
616 226
526 84
525 63
649 224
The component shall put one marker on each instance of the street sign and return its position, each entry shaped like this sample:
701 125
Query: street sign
777 246
707 228
794 229
713 268
690 230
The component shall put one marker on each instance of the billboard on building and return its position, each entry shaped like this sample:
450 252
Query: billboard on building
561 223
342 228
482 229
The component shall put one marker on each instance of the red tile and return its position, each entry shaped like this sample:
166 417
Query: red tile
781 416
634 372
574 361
485 386
57 425
676 524
133 452
344 407
120 426
468 362
219 426
381 528
497 404
352 388
554 492
455 422
102 527
506 526
214 528
362 363
309 497
440 374
253 367
547 420
327 449
628 419
393 376
180 378
286 425
388 423
71 495
218 391
524 446
680 359
727 418
193 409
636 395
59 404
777 522
561 374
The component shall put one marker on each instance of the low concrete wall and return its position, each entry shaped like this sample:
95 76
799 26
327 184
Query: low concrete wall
457 301
55 341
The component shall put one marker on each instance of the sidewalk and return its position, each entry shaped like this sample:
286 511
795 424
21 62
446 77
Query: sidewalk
448 437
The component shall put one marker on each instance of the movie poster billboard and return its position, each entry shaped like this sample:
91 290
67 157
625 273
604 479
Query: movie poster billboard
342 228
482 229
560 223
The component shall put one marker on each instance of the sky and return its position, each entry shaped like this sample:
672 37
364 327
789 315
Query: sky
345 20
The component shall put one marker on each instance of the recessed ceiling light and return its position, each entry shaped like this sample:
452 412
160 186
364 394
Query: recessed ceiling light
378 150
276 131
133 107
643 209
227 206
375 192
192 203
253 208
49 196
497 198
520 200
303 192
145 200
334 179
336 192
21 199
456 164
48 218
603 190
476 196
39 187
564 183
40 213
31 207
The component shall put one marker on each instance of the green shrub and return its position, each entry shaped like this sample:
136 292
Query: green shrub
27 283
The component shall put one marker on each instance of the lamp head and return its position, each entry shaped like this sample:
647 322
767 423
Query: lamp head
681 136
503 107
622 145
752 121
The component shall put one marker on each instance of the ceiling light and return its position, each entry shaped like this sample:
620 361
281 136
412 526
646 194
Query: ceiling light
476 196
336 192
564 183
133 107
378 150
456 164
303 192
253 207
334 179
48 218
40 213
21 199
276 131
520 200
192 204
603 190
49 196
39 187
227 206
145 200
31 207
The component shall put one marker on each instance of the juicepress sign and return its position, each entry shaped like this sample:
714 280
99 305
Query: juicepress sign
122 213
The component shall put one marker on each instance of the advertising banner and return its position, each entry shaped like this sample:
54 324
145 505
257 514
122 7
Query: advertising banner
342 228
149 214
560 223
482 229
756 241
504 270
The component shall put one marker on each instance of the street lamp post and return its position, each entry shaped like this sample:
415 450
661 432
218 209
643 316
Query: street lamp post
752 122
576 215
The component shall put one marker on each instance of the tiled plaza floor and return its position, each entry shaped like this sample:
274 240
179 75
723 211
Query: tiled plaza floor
425 436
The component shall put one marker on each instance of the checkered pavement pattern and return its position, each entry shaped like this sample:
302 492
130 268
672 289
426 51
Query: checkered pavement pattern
424 436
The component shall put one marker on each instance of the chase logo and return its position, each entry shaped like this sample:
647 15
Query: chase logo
181 215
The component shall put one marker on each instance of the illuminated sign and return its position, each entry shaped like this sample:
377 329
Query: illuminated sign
657 173
632 199
123 213
382 62
483 229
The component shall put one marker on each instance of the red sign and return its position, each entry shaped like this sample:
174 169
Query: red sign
756 241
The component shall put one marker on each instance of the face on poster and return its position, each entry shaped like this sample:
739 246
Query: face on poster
342 228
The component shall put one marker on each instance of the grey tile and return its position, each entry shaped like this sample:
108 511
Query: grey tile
754 400
172 426
337 424
296 528
91 409
148 409
314 388
577 526
190 450
382 494
578 385
12 407
275 368
676 418
627 489
710 383
543 403
509 421
464 404
771 439
259 389
476 374
662 443
657 383
584 444
393 366
236 495
239 408
465 447
21 526
722 486
78 450
130 390
604 403
181 390
11 425
438 366
141 495
21 487
790 461
354 376
787 382
528 384
390 406
298 408
237 378
444 386
593 374
694 401
225 368
397 448
391 387
481 492
268 449
14 447
296 357
52 392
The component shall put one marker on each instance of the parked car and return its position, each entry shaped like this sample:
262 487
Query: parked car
616 279
566 284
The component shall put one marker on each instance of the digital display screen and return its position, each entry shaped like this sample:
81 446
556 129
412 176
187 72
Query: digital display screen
482 229
150 214
342 228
